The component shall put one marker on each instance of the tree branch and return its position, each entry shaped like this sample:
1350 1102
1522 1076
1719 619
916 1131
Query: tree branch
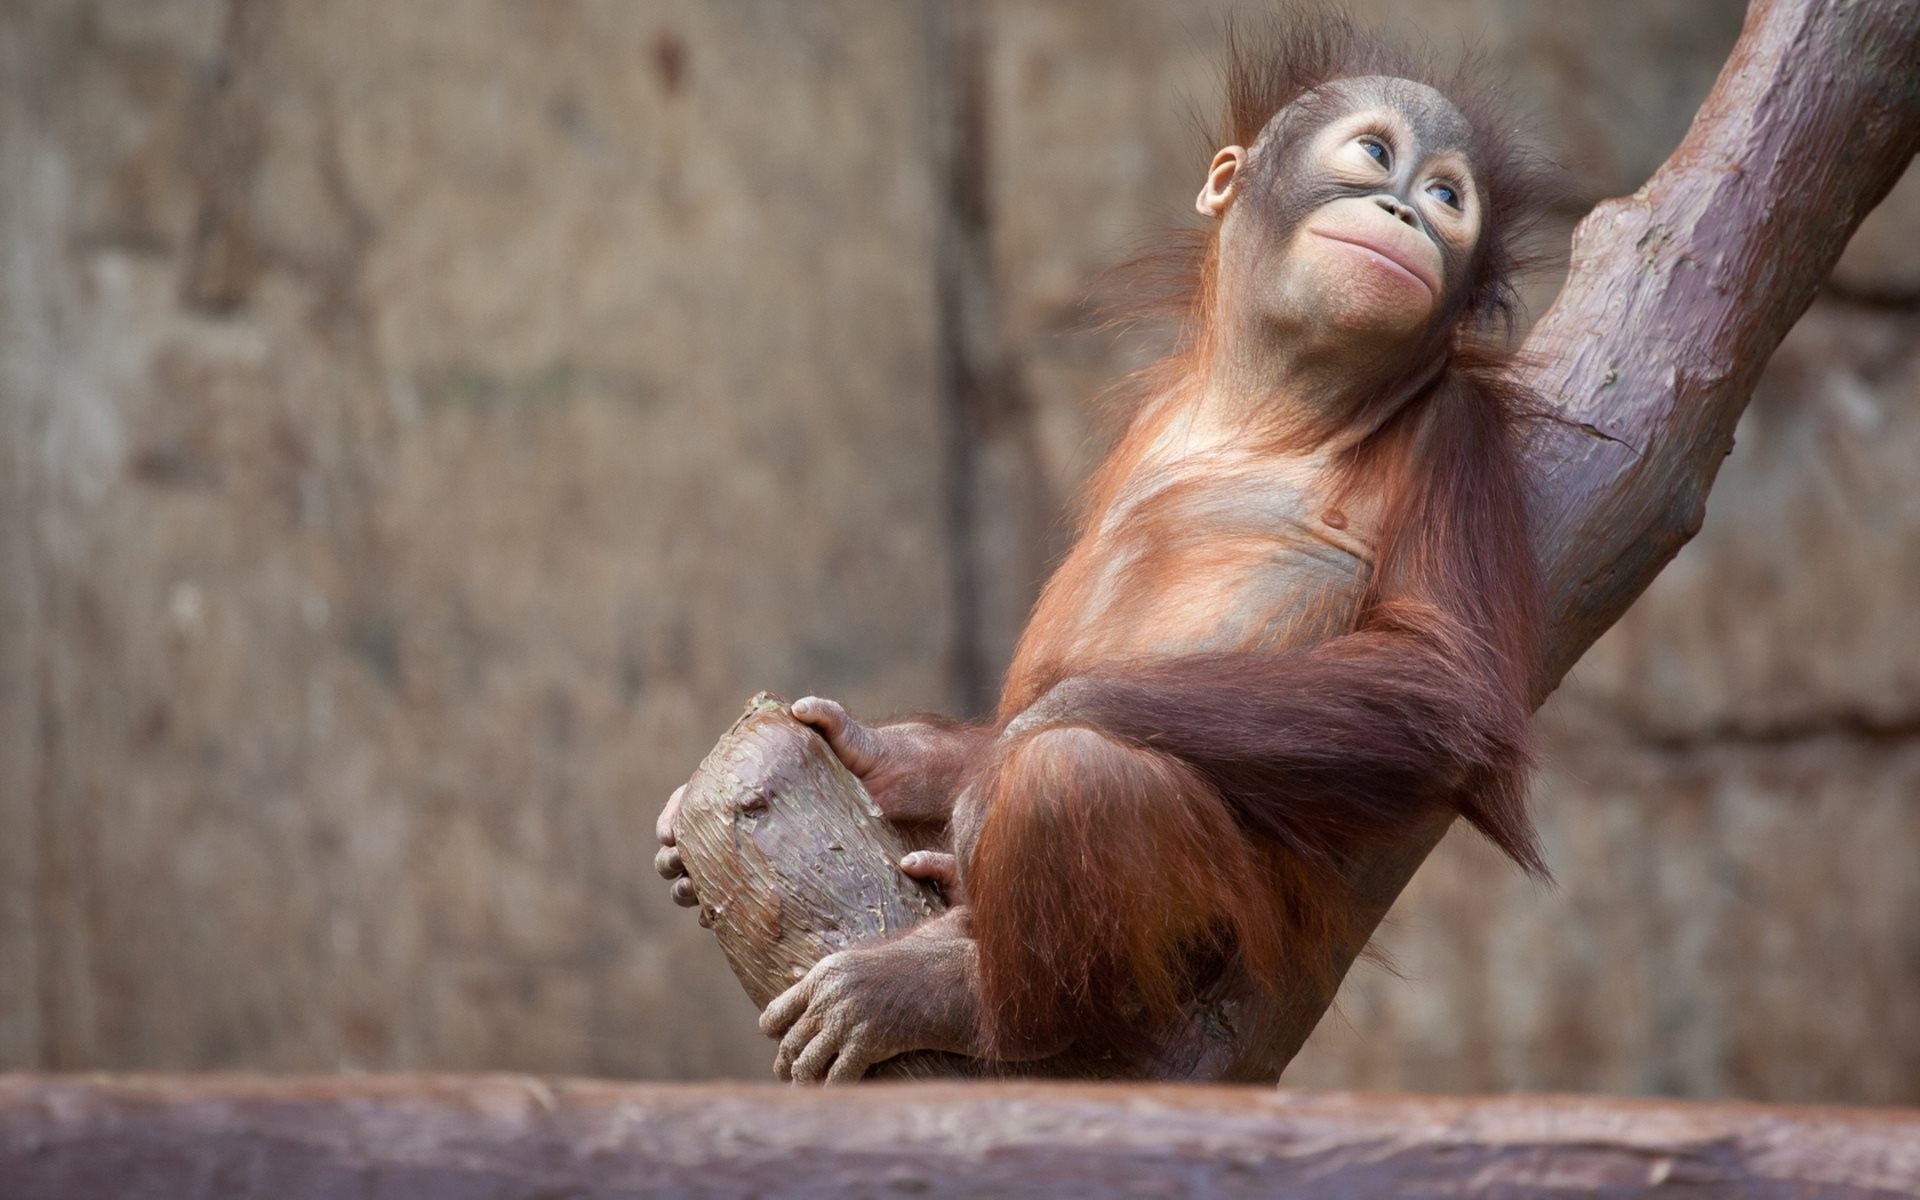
1678 294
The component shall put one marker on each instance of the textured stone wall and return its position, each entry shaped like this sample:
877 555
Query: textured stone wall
424 424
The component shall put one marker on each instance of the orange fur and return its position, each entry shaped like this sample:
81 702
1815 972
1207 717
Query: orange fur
1226 695
1098 874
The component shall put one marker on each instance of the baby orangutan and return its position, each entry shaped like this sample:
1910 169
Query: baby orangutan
1299 621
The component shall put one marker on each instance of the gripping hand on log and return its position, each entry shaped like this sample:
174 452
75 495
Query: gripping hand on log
668 861
878 1000
911 767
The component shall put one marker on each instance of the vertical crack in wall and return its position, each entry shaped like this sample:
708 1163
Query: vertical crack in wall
967 326
223 261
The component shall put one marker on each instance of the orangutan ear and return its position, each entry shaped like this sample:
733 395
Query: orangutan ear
1217 192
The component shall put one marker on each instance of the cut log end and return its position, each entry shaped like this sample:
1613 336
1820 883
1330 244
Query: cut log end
791 857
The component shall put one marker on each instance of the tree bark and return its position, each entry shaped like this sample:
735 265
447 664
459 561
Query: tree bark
1676 298
511 1137
791 856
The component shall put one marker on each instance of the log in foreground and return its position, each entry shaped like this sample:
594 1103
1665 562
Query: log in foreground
488 1137
793 861
1675 299
792 858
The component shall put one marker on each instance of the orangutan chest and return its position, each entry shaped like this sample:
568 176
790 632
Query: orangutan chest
1215 563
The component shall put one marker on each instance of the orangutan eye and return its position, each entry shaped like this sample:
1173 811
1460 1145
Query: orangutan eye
1377 150
1444 193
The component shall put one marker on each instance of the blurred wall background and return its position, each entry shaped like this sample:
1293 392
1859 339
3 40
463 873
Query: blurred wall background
424 424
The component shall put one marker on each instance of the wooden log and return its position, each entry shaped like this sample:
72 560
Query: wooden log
512 1138
791 857
793 861
1676 297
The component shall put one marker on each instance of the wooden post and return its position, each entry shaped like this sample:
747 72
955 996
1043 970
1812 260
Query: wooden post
503 1137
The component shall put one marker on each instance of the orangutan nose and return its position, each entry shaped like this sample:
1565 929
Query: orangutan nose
1397 210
